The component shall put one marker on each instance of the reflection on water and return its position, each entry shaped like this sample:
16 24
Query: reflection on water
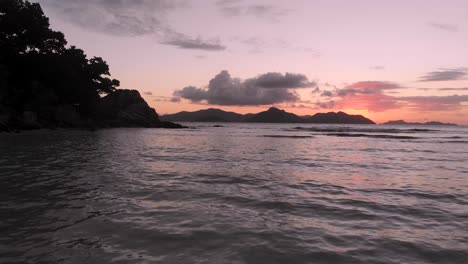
243 193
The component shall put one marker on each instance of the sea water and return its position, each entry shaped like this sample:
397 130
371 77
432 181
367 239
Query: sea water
242 193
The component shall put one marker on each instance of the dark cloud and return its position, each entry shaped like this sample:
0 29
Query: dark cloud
327 94
129 18
278 80
445 75
265 89
445 27
316 90
326 105
185 42
148 93
193 93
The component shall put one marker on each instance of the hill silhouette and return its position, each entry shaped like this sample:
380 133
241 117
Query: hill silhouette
45 83
338 118
272 115
206 115
430 123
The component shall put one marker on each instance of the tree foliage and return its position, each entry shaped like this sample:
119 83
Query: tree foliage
37 68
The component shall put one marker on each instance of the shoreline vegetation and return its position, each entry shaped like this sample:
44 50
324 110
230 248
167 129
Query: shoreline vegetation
46 84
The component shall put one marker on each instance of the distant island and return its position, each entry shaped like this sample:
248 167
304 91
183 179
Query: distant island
431 123
46 84
272 115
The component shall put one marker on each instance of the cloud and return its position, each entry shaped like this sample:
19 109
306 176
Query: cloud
366 87
119 17
185 42
278 80
148 93
445 75
366 95
265 89
374 96
326 105
445 27
327 94
235 8
165 99
256 44
453 89
436 103
129 18
377 67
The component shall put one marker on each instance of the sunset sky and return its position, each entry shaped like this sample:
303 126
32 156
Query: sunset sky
386 60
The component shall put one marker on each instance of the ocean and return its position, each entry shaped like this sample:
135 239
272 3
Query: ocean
241 193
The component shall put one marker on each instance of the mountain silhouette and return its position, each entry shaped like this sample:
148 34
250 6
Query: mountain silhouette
338 118
272 115
431 123
206 115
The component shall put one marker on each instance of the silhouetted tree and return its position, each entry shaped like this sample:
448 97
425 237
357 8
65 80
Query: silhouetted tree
38 71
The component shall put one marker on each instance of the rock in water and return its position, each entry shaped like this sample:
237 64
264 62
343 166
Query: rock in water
126 108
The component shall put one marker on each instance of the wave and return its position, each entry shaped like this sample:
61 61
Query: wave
370 136
365 130
284 136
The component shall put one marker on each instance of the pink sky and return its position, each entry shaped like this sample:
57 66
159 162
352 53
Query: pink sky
386 60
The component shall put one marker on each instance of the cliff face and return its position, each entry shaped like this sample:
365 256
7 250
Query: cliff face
125 108
121 108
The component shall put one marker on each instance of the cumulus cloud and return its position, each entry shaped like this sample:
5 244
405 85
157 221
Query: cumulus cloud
129 18
265 89
445 75
445 27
